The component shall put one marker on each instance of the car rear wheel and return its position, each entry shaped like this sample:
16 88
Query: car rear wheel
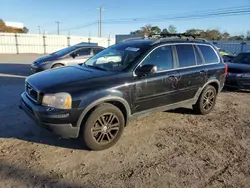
103 127
206 101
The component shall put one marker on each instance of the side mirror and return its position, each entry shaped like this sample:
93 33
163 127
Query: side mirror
73 55
146 70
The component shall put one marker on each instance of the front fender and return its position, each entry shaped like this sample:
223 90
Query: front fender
88 104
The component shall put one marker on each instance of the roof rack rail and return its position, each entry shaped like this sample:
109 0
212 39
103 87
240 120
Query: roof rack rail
179 35
163 36
133 38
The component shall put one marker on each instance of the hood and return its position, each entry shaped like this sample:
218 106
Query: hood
238 68
62 79
47 58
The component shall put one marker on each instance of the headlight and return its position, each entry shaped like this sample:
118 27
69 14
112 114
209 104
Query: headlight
44 63
58 100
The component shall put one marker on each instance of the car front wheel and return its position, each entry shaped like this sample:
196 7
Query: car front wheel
103 127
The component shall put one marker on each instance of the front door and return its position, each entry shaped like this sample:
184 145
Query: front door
157 89
81 55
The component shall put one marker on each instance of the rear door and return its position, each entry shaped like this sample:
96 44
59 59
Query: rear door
191 70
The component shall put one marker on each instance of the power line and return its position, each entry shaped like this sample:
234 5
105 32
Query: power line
232 11
84 11
81 26
189 15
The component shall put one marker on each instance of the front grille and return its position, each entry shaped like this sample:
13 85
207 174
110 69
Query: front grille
31 92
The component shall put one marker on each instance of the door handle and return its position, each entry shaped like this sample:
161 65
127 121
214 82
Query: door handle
203 73
171 78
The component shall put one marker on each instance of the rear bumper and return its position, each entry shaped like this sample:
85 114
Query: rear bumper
239 81
38 114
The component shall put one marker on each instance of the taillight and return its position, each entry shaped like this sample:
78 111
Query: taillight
226 68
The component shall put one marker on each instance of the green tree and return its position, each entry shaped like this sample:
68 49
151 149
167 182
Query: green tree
225 36
172 29
165 31
147 30
155 30
194 31
237 37
211 34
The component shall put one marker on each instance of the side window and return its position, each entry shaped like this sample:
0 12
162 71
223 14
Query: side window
198 56
208 54
97 50
82 52
186 55
161 57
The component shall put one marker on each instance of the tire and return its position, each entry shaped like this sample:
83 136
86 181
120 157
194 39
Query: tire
97 130
57 66
206 101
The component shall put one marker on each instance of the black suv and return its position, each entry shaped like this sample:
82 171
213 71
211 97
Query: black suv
95 100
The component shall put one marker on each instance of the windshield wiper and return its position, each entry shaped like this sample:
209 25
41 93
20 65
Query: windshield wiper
96 67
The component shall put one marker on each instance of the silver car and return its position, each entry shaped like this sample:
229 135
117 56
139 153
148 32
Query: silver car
72 55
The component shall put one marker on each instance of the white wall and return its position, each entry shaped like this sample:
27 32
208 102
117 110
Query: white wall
33 43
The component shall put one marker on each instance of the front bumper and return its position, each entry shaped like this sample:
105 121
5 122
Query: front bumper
41 116
37 68
239 81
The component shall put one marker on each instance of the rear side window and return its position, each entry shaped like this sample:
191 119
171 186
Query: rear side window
186 55
208 54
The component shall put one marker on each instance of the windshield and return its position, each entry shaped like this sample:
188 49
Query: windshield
243 58
115 58
64 51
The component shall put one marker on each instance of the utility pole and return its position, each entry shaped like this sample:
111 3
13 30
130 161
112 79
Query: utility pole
58 27
39 29
100 22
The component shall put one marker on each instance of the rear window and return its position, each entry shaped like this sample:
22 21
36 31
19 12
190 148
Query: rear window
208 54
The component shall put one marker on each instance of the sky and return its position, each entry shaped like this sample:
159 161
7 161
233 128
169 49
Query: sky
74 14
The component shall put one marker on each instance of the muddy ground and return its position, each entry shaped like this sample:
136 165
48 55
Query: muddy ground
167 149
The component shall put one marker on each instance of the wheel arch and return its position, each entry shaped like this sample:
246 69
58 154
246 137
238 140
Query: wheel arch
119 102
57 63
215 83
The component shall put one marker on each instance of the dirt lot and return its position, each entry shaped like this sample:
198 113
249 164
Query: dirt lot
167 149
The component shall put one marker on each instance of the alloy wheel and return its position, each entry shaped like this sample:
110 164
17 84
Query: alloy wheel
208 100
105 128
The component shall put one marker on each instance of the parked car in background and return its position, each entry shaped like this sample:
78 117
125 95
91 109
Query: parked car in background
97 99
72 55
228 58
238 76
